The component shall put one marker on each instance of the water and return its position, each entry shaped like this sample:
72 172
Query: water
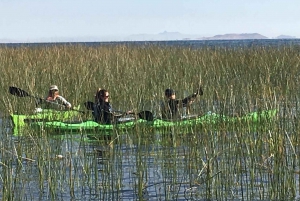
101 183
158 165
179 43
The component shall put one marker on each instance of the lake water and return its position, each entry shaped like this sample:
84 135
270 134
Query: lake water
188 164
186 43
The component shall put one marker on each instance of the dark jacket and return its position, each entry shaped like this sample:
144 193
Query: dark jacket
103 112
171 109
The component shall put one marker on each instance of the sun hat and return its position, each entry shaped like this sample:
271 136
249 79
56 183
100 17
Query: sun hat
169 92
53 87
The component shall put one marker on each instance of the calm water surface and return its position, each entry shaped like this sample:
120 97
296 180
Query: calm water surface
181 43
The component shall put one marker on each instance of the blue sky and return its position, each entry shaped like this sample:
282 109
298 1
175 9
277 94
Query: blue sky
36 20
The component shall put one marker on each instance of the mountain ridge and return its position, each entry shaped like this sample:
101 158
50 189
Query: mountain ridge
234 36
179 36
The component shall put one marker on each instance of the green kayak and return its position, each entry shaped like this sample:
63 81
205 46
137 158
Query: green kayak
43 115
127 123
213 118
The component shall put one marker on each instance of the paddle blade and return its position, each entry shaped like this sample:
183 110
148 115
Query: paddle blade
18 92
89 105
147 115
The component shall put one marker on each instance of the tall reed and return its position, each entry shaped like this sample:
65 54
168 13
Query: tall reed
237 161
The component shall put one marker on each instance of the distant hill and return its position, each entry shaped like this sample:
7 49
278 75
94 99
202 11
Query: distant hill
178 36
285 37
242 36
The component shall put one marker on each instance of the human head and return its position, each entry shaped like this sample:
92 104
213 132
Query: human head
102 94
53 91
53 88
170 93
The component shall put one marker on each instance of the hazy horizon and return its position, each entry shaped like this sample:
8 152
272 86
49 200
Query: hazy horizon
47 21
165 36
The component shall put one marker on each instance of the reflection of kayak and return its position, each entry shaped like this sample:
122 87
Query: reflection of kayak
130 122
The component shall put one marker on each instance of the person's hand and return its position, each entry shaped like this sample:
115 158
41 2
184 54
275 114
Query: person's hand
129 112
193 96
199 91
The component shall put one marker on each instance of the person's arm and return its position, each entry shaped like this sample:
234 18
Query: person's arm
64 101
191 98
118 113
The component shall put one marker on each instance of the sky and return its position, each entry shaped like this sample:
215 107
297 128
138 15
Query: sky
50 20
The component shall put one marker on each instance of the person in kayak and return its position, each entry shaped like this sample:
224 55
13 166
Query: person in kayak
103 111
53 96
170 110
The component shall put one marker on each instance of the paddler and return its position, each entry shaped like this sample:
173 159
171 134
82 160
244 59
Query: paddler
170 110
53 96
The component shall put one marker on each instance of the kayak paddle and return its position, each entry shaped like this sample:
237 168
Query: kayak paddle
21 93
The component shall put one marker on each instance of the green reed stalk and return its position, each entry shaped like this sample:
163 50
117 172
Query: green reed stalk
234 161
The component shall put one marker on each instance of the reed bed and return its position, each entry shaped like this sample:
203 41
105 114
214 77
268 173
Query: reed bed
211 162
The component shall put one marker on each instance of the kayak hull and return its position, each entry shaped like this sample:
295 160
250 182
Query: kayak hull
66 123
82 126
212 119
45 115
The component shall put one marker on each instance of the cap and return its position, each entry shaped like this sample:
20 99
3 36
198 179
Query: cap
53 87
169 92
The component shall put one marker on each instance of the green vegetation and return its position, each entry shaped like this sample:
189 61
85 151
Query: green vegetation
133 74
199 162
